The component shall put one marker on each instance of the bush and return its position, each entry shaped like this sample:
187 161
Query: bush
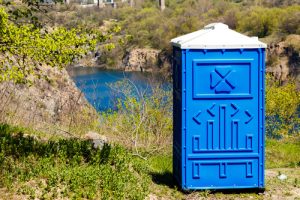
282 109
141 122
150 27
259 21
291 23
262 22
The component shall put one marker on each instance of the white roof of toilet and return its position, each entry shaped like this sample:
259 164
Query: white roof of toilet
217 36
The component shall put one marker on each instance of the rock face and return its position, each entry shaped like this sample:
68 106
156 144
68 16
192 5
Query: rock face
278 61
54 101
283 58
141 60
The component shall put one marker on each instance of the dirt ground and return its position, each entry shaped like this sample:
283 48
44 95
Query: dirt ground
288 189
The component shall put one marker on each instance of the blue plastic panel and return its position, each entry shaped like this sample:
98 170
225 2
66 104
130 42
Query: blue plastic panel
222 78
219 120
177 113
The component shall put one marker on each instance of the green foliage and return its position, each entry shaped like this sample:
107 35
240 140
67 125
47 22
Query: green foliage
141 122
25 48
282 109
260 21
290 23
150 27
68 168
282 153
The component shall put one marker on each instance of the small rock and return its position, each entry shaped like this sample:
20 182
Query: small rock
282 177
152 197
96 139
48 94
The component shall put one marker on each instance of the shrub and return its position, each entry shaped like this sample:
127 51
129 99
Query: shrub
141 122
291 23
282 109
231 19
259 21
262 22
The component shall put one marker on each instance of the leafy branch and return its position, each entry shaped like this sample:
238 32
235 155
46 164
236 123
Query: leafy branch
25 48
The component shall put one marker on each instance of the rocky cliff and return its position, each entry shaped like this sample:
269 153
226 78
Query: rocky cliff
52 103
283 58
141 60
146 60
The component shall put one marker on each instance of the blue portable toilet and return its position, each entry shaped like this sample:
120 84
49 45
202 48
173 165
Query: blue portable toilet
219 107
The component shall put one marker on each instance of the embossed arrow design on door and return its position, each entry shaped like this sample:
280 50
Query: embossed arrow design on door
235 109
250 117
211 110
196 118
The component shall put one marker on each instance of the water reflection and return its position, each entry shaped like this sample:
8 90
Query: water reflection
95 84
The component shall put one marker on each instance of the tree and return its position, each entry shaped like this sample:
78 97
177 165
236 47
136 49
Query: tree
25 47
131 3
162 4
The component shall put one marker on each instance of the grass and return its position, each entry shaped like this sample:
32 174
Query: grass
73 169
282 156
282 153
68 168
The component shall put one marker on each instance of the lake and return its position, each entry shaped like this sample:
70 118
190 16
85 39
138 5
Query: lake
97 84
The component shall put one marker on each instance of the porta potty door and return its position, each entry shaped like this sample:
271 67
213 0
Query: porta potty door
224 141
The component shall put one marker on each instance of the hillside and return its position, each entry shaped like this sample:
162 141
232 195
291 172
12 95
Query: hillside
54 105
144 26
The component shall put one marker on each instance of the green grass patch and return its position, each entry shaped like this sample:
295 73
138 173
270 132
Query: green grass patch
71 168
279 153
161 163
68 168
282 153
161 170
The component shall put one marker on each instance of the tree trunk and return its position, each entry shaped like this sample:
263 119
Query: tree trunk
131 3
162 4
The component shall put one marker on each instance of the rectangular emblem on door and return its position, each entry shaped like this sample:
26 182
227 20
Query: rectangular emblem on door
228 171
221 79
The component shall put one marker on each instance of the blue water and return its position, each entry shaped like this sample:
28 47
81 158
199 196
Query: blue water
95 84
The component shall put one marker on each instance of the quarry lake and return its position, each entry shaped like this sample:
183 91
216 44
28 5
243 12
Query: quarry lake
101 87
